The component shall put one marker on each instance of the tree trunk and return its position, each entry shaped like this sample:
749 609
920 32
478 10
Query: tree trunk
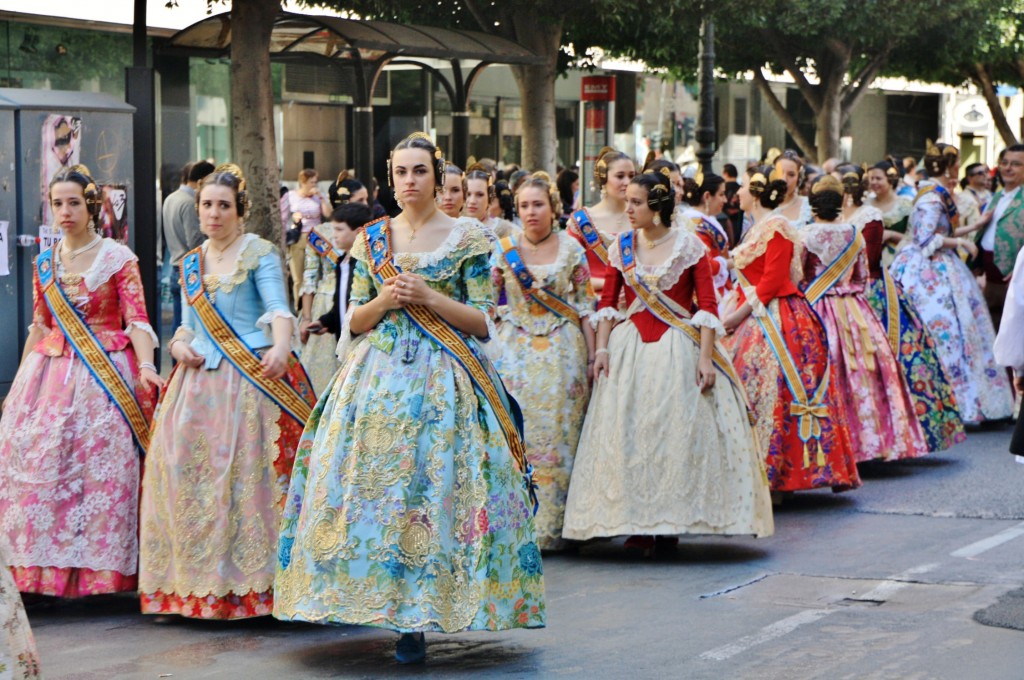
537 91
981 77
829 127
783 115
252 113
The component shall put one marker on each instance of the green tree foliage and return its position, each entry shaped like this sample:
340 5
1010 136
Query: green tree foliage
985 48
639 28
832 50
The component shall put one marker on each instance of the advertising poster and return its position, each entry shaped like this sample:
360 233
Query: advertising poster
62 145
113 218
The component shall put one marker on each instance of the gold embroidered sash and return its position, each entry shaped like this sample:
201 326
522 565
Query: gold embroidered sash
835 270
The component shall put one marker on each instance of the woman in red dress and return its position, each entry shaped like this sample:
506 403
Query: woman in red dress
780 352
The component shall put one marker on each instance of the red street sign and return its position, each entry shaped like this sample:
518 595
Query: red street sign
598 89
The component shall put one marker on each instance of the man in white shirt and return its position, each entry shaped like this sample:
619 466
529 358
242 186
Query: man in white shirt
1009 347
1002 230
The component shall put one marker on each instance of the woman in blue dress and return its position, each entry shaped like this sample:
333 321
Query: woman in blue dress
410 505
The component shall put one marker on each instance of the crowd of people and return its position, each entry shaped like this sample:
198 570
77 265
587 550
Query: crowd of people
440 396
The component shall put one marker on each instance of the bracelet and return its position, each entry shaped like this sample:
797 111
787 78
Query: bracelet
171 343
603 350
147 364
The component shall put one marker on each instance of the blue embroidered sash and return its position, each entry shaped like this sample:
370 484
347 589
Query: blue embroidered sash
592 240
322 247
88 348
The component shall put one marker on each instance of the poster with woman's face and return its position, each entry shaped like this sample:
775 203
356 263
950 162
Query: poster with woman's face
113 219
62 144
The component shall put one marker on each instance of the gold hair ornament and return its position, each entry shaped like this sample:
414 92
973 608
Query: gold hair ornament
827 183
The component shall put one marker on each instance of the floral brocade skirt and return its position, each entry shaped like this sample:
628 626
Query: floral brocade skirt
318 355
547 375
406 509
879 409
792 465
657 456
212 496
69 481
18 657
934 402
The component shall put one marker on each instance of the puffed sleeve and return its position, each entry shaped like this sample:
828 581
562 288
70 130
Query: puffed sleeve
41 317
719 265
270 285
476 274
777 256
131 299
925 219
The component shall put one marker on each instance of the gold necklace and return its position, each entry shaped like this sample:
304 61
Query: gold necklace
414 230
654 244
220 257
534 244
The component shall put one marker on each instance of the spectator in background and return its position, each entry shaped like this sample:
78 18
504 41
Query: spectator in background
974 194
181 226
301 210
346 189
908 185
568 183
732 202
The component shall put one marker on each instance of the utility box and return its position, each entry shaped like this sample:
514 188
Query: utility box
41 132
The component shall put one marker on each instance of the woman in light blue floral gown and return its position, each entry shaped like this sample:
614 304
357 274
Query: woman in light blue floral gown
408 509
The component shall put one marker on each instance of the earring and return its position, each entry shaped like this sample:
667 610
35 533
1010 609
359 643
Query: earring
401 204
604 192
657 220
707 206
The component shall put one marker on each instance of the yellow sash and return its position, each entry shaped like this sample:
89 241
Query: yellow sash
592 240
892 309
809 411
88 348
835 271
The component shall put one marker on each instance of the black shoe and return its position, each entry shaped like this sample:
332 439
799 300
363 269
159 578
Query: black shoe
411 648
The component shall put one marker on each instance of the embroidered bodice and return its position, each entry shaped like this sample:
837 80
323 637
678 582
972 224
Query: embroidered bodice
249 298
568 277
823 243
685 277
109 296
459 268
771 260
868 219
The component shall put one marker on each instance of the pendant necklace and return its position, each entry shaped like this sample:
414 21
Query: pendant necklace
654 244
221 253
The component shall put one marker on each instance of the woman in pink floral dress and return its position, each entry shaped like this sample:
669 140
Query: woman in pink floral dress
69 466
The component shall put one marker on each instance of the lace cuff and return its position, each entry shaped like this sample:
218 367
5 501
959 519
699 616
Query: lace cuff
265 321
44 329
608 313
756 307
933 246
143 326
708 320
492 345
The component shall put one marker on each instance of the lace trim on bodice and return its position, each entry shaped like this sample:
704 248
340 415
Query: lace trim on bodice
686 252
466 239
899 210
249 256
757 243
827 241
544 274
688 217
111 258
502 228
866 213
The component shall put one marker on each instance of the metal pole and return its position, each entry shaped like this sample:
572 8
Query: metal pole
705 132
140 89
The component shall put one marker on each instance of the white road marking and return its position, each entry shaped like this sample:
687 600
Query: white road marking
986 544
766 634
787 625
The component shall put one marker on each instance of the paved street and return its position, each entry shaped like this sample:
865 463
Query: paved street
878 583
